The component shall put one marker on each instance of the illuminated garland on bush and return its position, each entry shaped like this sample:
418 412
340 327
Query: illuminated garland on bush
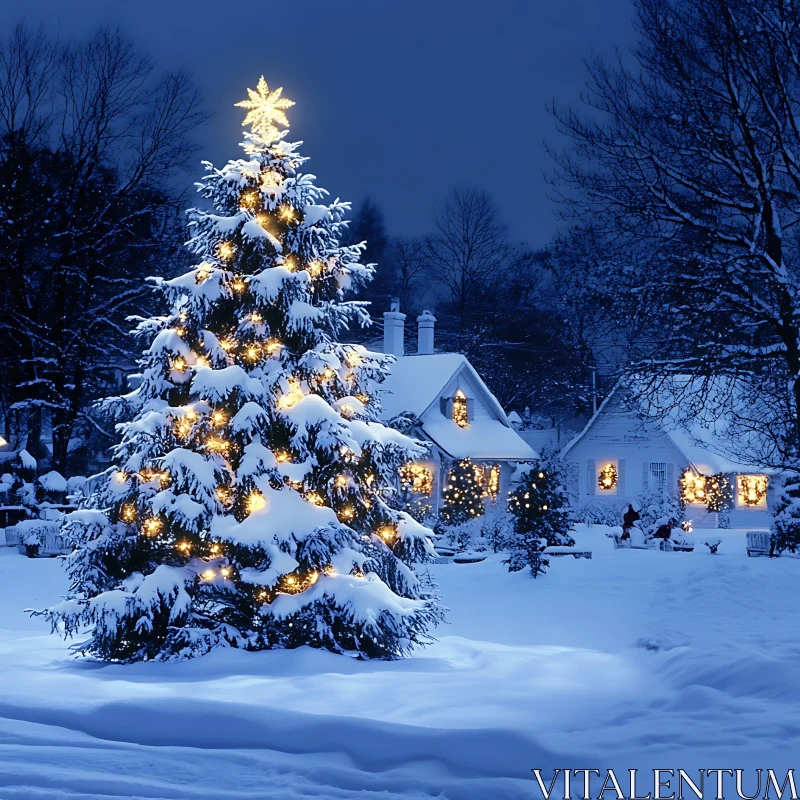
720 493
607 479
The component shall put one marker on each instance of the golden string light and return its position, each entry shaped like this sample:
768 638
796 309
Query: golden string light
225 250
184 547
272 346
127 513
152 526
314 267
218 444
286 213
179 364
249 200
238 284
256 318
208 574
255 502
315 499
218 419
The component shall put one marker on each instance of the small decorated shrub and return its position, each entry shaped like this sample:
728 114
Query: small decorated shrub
542 518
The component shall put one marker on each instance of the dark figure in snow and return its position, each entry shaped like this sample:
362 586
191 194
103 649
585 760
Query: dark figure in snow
664 531
628 519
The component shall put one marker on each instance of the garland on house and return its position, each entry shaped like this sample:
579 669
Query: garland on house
542 518
247 505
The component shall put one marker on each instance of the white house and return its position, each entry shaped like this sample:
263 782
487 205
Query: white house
453 409
622 453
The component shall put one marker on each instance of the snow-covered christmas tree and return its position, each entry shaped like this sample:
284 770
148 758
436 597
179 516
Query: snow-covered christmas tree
786 523
463 493
247 507
542 516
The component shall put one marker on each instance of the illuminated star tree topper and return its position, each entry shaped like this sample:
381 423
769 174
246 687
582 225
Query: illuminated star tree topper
265 111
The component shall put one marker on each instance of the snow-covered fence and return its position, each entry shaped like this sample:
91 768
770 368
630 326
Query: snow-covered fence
38 537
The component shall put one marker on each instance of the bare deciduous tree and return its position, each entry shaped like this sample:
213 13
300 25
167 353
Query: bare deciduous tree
696 151
91 136
469 251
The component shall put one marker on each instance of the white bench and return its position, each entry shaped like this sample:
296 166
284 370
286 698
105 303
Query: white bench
758 543
560 550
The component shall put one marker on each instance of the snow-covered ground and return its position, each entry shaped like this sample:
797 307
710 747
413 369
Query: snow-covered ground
632 659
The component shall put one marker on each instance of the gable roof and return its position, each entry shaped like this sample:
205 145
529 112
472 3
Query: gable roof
704 443
415 384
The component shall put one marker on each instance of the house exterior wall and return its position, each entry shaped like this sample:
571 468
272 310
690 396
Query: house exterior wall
620 437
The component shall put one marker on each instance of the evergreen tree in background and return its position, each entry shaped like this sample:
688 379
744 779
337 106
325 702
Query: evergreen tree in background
463 493
542 518
786 522
369 228
246 508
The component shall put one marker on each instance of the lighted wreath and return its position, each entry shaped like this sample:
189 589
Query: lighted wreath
607 479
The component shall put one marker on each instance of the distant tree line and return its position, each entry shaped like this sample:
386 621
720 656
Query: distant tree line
529 321
91 135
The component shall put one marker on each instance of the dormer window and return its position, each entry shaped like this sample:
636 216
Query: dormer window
460 409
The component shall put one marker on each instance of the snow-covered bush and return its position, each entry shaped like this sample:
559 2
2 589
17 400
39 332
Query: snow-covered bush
542 517
786 521
601 512
246 508
656 507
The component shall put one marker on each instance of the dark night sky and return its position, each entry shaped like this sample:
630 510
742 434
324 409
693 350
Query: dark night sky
399 100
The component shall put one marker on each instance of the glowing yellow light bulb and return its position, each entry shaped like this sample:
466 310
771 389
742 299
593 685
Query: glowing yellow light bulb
225 250
347 410
252 353
202 361
255 502
314 267
271 179
347 512
225 572
180 331
328 374
248 200
286 213
314 499
128 513
207 574
184 547
313 578
152 526
281 456
238 285
217 444
228 344
272 345
386 533
256 318
215 549
179 364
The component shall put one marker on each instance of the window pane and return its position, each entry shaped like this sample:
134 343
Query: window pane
658 474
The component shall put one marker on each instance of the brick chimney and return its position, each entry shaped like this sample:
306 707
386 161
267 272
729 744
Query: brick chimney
394 329
425 323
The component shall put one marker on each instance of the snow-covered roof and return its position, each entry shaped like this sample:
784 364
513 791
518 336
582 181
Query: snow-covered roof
416 383
704 440
485 438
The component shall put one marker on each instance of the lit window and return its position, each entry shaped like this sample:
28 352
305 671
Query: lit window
417 479
751 489
607 478
460 413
